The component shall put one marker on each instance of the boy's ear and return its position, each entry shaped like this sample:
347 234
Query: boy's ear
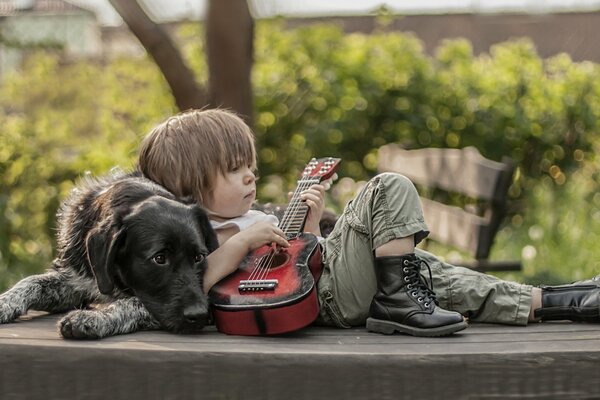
101 247
210 237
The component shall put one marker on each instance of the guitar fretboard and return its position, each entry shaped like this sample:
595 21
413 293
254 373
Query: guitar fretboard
295 214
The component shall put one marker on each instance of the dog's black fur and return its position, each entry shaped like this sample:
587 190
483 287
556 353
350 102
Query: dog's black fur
127 244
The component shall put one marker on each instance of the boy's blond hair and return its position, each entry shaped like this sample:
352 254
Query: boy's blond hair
186 153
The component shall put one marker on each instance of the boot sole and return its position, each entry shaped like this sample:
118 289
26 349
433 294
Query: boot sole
389 328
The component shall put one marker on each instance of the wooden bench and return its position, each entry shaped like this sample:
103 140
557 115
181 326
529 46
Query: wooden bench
539 361
442 175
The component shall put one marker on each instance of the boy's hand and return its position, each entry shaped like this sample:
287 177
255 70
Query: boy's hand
259 234
315 200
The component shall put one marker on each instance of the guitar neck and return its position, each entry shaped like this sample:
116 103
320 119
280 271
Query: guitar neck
295 214
292 222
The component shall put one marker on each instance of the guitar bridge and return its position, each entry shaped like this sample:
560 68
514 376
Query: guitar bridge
257 285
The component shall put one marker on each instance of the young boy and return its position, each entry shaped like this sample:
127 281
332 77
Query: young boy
372 271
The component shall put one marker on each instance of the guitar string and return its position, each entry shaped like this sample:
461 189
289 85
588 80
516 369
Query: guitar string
265 260
262 269
294 207
263 265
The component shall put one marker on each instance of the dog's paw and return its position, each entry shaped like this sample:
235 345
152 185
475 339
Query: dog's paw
7 313
82 324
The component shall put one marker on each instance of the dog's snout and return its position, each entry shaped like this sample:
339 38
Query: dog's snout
195 314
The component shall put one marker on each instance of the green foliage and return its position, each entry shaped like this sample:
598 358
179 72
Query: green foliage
325 93
59 121
319 92
558 233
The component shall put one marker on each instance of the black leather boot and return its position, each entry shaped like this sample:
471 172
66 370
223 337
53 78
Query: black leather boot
404 303
594 281
578 302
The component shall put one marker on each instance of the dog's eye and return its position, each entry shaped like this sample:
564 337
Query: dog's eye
199 258
160 259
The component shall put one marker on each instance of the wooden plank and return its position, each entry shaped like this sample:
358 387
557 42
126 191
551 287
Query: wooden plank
478 338
467 172
541 361
458 170
453 226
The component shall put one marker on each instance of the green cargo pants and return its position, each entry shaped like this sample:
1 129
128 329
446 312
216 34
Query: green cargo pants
387 208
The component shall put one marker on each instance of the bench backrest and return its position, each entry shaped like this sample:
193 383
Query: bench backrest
462 171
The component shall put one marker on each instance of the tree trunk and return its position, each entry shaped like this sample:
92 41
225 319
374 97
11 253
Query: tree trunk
188 94
229 44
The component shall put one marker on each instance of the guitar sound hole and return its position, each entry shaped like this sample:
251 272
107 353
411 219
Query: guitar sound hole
280 259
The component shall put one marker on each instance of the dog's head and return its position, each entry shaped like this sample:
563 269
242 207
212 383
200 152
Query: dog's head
157 251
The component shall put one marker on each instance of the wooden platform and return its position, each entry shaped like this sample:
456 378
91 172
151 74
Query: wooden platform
541 361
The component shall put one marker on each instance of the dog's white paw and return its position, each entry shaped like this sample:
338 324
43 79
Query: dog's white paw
83 324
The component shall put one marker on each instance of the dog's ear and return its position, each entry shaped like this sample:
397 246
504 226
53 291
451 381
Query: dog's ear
210 236
102 246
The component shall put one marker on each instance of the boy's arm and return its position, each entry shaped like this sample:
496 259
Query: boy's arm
230 254
224 261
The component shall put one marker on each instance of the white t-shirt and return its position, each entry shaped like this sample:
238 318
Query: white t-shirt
245 221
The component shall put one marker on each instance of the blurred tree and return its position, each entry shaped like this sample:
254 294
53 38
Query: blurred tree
229 48
161 48
229 42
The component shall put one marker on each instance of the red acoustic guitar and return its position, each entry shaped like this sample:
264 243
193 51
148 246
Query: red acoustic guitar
273 290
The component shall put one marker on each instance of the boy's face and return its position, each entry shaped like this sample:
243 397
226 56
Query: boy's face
233 193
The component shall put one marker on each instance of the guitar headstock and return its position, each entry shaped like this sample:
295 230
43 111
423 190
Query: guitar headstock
322 168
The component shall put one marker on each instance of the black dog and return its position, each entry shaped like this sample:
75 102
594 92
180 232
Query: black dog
127 244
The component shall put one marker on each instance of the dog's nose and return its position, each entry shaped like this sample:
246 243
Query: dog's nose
195 314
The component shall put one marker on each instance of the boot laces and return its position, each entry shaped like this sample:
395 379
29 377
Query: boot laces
416 284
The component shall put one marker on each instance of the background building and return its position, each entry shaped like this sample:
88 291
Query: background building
50 23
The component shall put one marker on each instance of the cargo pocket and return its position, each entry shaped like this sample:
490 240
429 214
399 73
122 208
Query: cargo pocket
353 220
332 310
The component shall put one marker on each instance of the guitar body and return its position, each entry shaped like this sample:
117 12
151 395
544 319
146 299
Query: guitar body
290 305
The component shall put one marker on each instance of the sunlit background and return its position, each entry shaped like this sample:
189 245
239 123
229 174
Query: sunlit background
513 78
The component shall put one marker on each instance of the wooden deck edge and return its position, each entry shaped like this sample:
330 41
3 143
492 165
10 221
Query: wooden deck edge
540 361
54 372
